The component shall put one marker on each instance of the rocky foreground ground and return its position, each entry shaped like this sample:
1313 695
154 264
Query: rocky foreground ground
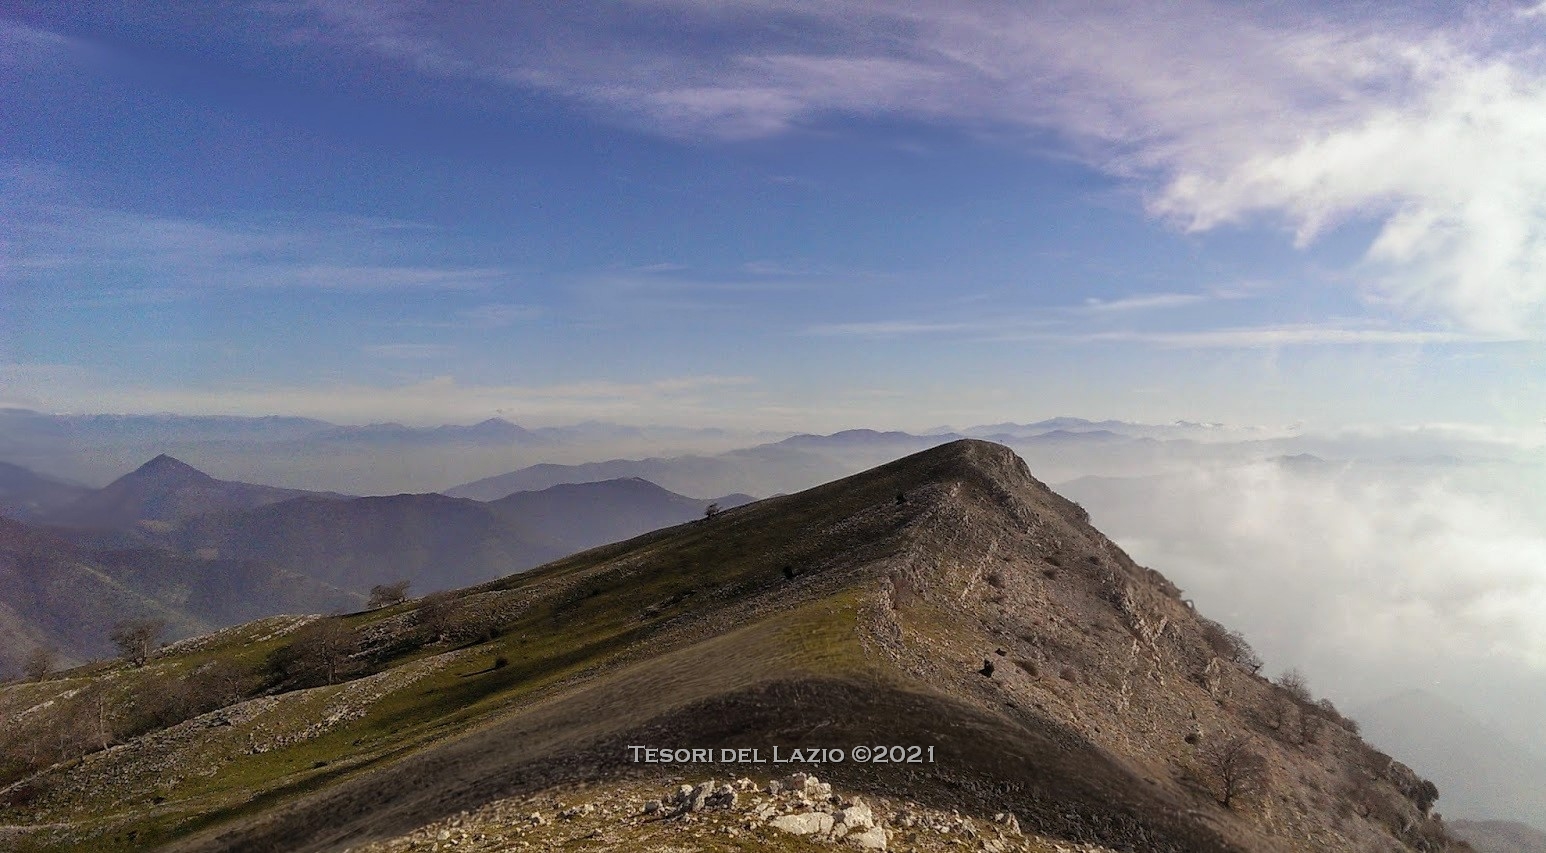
798 812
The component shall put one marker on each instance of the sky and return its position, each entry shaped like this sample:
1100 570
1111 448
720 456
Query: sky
776 214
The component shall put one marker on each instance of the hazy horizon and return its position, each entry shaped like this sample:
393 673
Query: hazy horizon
776 216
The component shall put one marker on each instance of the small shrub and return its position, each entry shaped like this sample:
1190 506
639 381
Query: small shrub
501 662
1029 667
25 794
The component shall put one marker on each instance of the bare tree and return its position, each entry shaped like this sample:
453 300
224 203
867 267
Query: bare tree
136 639
217 684
1236 768
1241 652
1279 713
388 594
324 646
1230 645
1294 683
39 663
437 614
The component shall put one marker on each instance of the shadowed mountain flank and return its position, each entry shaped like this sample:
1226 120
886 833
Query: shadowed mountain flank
66 598
26 494
435 541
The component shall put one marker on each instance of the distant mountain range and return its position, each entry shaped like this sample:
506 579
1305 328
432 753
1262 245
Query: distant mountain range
801 461
168 541
380 458
491 431
435 540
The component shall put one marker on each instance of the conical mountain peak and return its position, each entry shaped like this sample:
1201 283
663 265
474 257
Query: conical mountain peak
165 467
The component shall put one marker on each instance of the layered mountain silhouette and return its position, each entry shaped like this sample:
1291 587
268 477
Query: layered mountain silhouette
947 600
495 431
26 494
783 466
800 461
434 540
169 542
164 490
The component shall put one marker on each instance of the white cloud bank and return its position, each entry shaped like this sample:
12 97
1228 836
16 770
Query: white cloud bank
1374 578
1427 131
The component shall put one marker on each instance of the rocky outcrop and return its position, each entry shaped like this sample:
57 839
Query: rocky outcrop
711 816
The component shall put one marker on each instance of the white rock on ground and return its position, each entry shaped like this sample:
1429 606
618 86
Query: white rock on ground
857 816
810 823
873 838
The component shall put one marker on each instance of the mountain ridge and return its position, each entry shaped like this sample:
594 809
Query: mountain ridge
947 597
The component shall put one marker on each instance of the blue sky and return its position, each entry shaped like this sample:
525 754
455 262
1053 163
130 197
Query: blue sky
775 214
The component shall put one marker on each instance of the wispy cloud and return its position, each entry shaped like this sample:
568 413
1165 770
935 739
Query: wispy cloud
685 400
1224 114
1141 303
892 328
1006 330
372 277
1303 335
32 49
409 351
664 266
497 315
67 247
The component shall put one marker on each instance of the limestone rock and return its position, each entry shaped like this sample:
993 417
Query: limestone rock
873 838
809 823
857 816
